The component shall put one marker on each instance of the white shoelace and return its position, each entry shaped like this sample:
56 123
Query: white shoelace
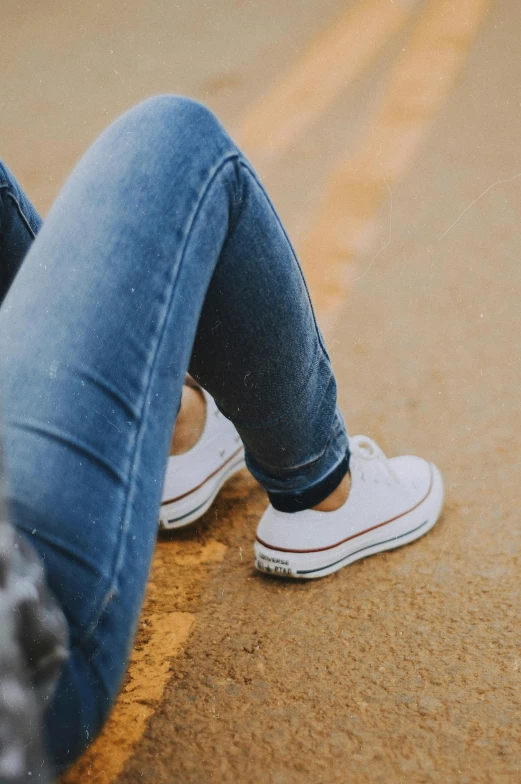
365 448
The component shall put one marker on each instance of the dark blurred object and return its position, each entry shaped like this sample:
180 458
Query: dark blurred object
33 646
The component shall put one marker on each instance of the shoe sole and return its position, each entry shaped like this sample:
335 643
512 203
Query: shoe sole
312 565
193 505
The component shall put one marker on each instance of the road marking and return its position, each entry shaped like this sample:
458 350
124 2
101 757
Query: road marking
166 631
420 81
331 62
149 672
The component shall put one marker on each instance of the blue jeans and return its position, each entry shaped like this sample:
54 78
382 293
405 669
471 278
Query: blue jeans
161 255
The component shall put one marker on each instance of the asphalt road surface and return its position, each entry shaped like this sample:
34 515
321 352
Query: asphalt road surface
387 134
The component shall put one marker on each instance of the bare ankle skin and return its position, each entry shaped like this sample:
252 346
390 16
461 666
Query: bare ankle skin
190 421
337 498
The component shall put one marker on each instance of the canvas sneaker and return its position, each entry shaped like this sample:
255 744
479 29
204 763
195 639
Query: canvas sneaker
391 502
194 478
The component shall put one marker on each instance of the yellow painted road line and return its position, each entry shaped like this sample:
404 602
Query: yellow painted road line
419 83
329 64
165 633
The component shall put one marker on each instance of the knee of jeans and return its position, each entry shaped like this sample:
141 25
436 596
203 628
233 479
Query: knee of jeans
189 122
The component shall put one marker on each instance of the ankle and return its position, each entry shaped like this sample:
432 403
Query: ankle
337 498
190 421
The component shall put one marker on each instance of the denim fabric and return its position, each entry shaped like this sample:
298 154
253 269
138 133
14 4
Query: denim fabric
19 224
162 254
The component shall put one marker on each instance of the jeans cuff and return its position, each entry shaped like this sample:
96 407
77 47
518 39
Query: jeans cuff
311 496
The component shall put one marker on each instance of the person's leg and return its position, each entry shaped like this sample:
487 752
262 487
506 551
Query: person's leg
275 382
190 422
19 224
161 227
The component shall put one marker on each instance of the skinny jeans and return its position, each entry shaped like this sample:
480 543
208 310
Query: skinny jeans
162 255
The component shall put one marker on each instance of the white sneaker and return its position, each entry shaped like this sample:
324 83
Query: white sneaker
391 502
194 478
